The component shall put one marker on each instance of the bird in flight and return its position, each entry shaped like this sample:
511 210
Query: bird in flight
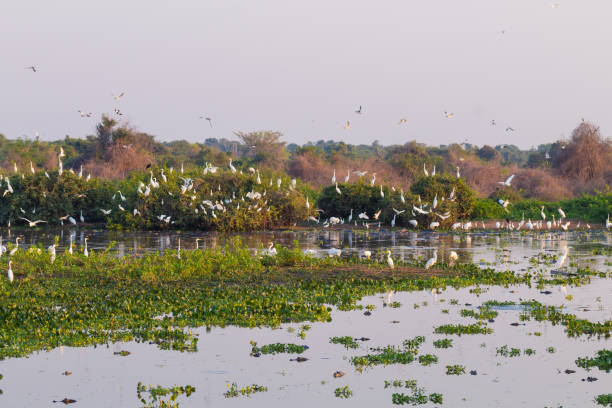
32 223
117 97
493 122
118 112
32 67
208 119
509 129
402 121
347 126
508 181
84 115
448 115
554 5
358 111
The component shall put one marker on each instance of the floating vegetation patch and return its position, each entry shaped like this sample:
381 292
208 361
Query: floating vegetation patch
455 369
574 327
390 354
235 391
347 341
161 397
80 301
277 348
443 343
483 314
605 400
343 392
428 359
603 361
417 395
459 329
394 305
506 351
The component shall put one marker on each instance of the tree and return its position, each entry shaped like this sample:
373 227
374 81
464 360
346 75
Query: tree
535 160
265 148
586 157
487 153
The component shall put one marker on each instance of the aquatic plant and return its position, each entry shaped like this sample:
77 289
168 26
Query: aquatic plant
605 400
455 369
277 348
153 397
343 392
443 343
235 391
347 341
459 329
603 361
506 351
483 314
416 397
428 359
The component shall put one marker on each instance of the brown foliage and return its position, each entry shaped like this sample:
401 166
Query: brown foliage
586 157
541 184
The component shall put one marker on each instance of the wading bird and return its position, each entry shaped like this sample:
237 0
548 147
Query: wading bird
431 261
10 272
390 260
32 224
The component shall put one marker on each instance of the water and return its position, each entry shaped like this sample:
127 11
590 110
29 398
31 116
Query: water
101 379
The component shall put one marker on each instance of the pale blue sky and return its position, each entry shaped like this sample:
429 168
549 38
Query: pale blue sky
304 67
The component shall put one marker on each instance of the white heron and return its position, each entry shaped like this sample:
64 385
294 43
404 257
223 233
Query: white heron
338 189
414 223
367 254
458 172
16 248
563 257
393 221
561 212
348 176
81 218
542 214
382 193
363 216
333 179
434 225
52 252
85 251
373 180
608 223
453 256
425 171
508 181
431 261
350 217
360 173
334 252
390 260
10 272
32 224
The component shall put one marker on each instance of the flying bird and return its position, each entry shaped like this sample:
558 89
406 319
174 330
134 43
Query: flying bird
118 112
508 181
402 121
448 115
32 67
347 126
509 129
32 224
358 111
117 97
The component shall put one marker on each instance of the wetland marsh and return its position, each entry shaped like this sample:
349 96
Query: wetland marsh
229 326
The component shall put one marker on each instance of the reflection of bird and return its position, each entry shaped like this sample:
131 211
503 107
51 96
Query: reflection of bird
563 257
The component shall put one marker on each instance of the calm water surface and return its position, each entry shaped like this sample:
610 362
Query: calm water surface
101 379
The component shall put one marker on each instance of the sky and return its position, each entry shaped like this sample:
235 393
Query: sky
303 68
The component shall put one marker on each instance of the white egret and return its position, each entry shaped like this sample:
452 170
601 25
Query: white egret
10 272
367 254
348 176
393 221
402 196
608 223
360 173
333 179
425 171
334 252
52 252
81 218
373 180
70 248
433 260
508 181
390 260
434 225
350 217
456 225
561 212
231 166
85 251
382 193
504 204
307 203
542 214
453 256
414 223
398 212
32 224
458 173
363 216
338 189
106 212
16 248
377 214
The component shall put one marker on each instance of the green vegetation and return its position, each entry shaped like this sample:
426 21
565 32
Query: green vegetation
80 301
443 343
603 361
277 348
428 359
605 400
154 397
416 397
482 314
455 369
347 341
343 392
460 329
235 391
390 354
